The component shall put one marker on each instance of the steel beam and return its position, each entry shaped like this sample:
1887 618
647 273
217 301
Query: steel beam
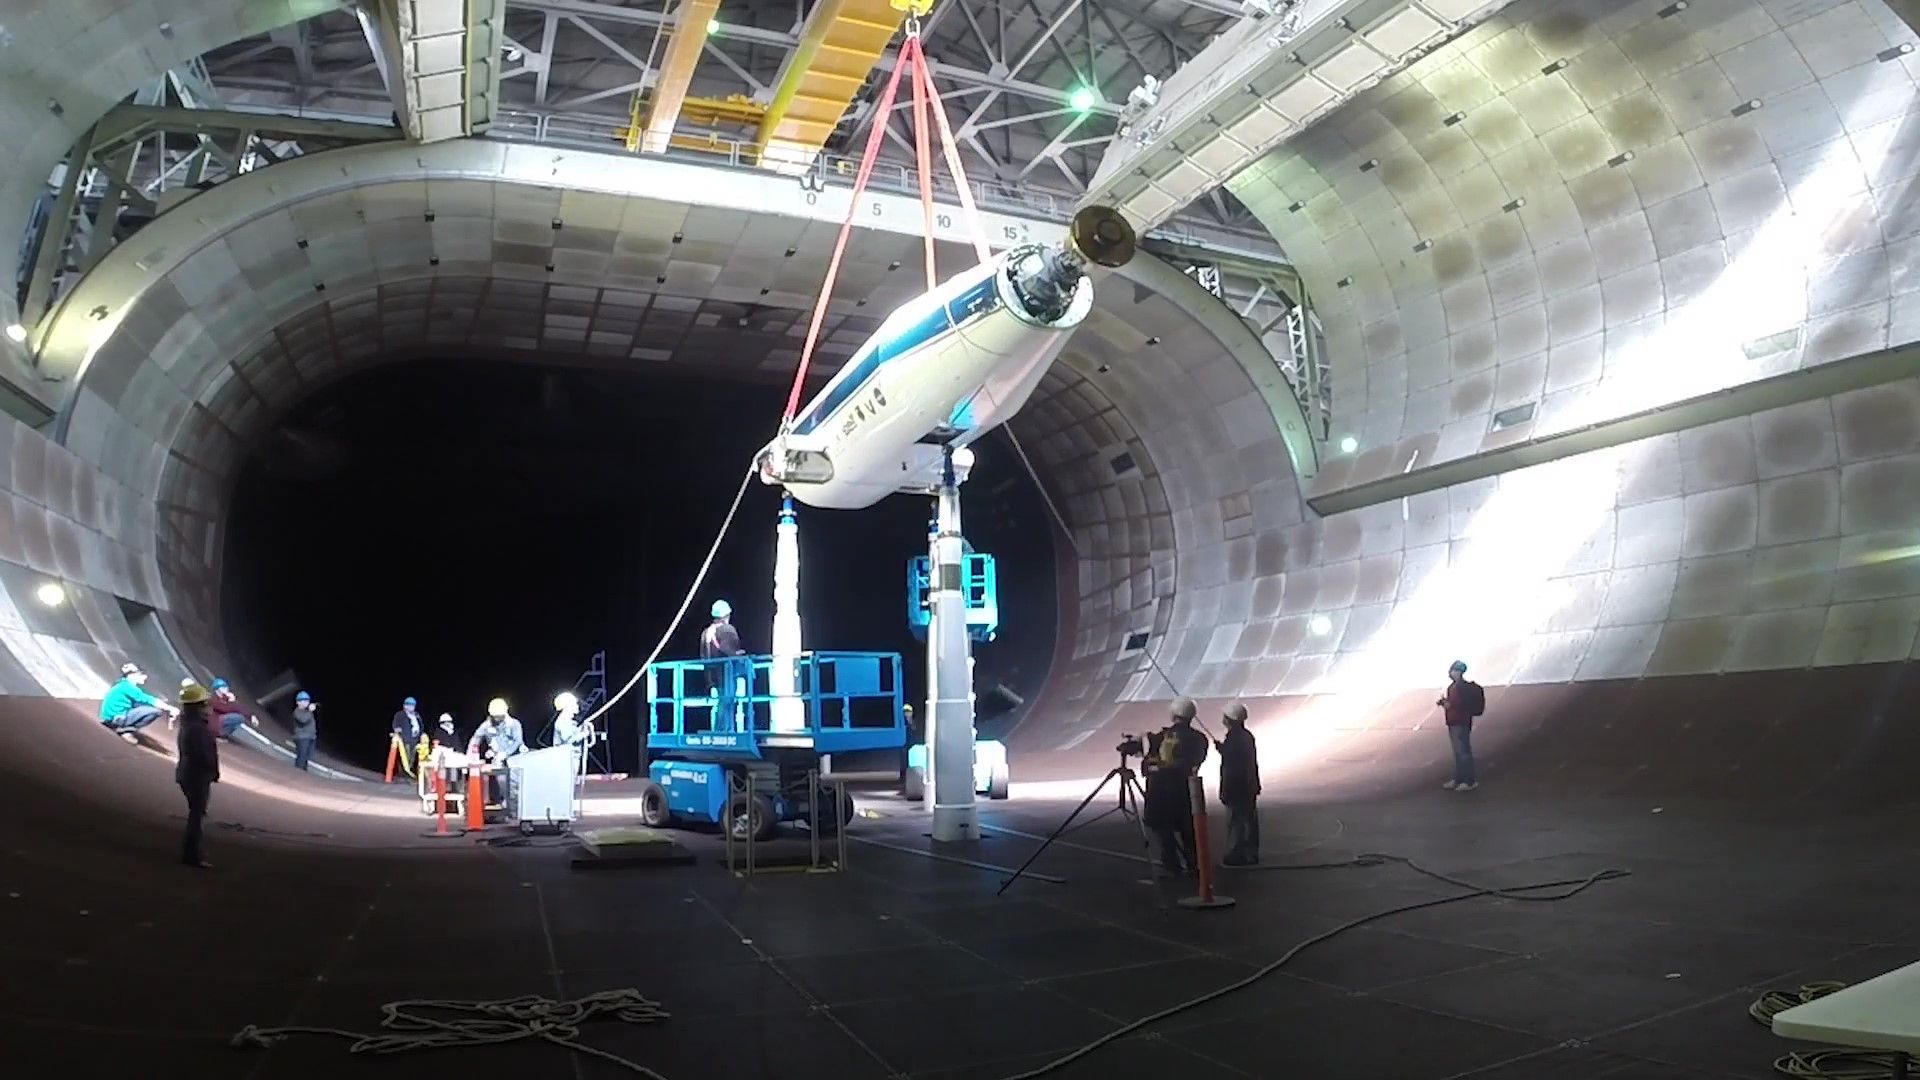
689 34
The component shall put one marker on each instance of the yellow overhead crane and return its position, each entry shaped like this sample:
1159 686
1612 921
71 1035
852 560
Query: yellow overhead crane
839 45
721 124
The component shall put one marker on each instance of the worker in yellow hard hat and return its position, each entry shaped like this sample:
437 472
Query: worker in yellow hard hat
198 769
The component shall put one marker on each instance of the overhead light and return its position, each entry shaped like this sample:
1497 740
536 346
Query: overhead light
1349 444
713 26
1082 98
16 332
1320 626
50 593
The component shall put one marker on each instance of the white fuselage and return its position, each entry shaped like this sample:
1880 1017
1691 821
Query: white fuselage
947 367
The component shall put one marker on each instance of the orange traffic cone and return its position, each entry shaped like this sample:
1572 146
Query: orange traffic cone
393 755
476 799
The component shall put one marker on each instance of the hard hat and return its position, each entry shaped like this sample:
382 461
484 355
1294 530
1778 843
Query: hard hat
446 718
409 703
1458 665
1184 709
186 682
220 684
722 609
565 700
1236 711
129 669
303 696
497 707
193 694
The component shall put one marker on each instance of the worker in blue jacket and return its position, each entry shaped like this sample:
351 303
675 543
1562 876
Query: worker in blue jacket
197 771
127 708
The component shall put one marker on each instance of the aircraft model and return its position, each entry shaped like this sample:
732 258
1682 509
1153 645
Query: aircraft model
943 370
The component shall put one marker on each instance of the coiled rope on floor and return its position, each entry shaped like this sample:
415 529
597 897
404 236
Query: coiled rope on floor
409 1026
1827 1062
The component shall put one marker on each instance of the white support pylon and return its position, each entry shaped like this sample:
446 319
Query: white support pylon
950 683
933 663
789 712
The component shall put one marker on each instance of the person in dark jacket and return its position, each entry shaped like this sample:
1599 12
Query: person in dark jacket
408 728
306 728
1172 757
198 769
719 644
1463 701
1240 788
226 714
446 737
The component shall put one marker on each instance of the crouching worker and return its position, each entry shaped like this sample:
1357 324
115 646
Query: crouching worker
197 771
127 708
228 717
1240 788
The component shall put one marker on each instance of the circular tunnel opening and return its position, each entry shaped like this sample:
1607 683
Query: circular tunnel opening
458 530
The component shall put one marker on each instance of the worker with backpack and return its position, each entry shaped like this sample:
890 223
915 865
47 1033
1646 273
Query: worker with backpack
1464 700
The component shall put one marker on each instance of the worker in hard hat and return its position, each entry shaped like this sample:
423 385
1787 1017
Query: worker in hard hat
197 770
407 729
503 738
306 728
127 708
226 714
719 644
444 734
1240 788
569 730
1173 755
446 742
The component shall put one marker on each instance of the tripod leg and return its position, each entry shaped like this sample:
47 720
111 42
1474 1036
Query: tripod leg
1130 793
1048 842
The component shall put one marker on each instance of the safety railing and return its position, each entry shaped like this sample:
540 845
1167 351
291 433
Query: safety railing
1025 199
848 701
979 581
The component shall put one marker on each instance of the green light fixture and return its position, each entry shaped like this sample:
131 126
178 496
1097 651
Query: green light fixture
1082 98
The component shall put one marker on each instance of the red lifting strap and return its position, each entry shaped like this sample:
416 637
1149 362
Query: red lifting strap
924 96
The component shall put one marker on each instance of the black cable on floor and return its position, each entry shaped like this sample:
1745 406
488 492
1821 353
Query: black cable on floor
1573 887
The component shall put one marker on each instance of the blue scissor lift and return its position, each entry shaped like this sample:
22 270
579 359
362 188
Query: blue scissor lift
718 760
980 581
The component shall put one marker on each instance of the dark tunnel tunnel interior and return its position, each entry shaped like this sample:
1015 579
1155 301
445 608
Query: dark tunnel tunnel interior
457 530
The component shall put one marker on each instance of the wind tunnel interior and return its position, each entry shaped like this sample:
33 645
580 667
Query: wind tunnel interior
457 529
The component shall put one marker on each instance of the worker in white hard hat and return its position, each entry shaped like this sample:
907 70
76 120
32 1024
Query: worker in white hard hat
505 739
569 730
719 645
127 708
1173 755
1240 788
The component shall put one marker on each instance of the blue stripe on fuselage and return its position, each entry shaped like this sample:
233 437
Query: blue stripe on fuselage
976 301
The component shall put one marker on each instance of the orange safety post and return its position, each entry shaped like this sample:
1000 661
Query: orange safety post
393 755
476 798
1206 899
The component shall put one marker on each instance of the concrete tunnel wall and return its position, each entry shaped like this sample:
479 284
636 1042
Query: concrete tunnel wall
1780 541
216 328
1602 208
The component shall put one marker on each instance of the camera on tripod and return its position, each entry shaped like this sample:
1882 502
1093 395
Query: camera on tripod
1136 746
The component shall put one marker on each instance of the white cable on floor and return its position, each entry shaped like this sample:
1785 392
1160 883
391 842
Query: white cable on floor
685 602
407 1025
1572 886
